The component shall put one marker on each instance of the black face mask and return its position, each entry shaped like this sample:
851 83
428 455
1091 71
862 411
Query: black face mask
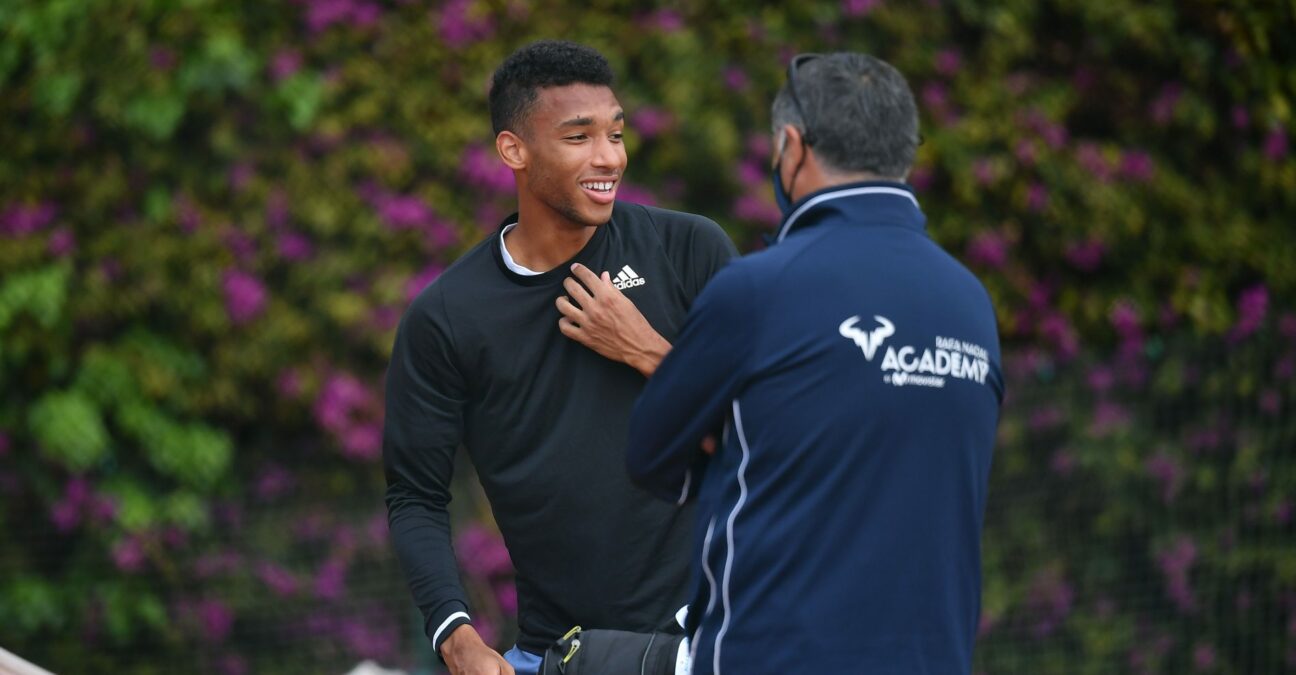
783 196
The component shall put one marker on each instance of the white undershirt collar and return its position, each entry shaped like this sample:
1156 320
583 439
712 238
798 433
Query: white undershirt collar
509 262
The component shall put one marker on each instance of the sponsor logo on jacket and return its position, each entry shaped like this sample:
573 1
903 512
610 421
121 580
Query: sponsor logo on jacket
908 365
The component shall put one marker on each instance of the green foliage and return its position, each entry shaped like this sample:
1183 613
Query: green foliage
70 430
212 215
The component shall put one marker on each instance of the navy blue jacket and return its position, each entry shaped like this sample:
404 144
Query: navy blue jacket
854 369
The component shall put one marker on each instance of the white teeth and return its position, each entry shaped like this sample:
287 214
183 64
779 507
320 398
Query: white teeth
600 186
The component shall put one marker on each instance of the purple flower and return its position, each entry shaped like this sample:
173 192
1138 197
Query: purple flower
752 174
482 168
1125 318
1063 463
667 21
506 596
101 509
482 553
1046 417
1050 600
330 581
935 98
240 175
984 171
321 14
461 26
1091 159
65 515
629 192
758 147
757 210
1025 153
1055 135
403 212
285 64
1137 166
852 8
1108 417
1203 657
341 397
62 242
1253 305
1167 472
1086 256
1270 402
212 564
241 244
128 555
280 581
215 619
294 246
1057 330
419 281
162 58
377 530
1275 145
650 122
19 221
362 442
921 178
988 249
1037 197
736 79
1166 103
272 482
245 296
1241 118
948 62
1176 562
187 215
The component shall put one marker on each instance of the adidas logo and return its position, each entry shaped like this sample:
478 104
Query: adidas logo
627 278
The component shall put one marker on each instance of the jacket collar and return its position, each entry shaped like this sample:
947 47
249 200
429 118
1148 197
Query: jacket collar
895 201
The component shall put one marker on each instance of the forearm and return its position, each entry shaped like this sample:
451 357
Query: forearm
420 534
646 354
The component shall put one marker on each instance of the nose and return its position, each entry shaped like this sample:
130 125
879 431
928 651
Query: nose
608 155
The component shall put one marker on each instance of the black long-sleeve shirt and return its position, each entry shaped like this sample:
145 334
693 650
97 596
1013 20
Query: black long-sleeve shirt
479 361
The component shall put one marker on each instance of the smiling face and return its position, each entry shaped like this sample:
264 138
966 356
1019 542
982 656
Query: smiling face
574 156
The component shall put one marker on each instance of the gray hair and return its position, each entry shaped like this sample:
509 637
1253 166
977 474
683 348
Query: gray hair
862 114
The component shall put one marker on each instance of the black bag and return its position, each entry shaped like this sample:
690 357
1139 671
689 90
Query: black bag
611 652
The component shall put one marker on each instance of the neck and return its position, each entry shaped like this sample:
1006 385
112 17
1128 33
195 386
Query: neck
814 178
544 238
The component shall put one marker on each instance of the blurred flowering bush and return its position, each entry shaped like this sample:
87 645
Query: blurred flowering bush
212 215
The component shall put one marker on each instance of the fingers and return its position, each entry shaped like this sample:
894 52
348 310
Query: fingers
588 278
569 328
568 310
577 292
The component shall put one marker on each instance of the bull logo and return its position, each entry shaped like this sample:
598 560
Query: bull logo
868 341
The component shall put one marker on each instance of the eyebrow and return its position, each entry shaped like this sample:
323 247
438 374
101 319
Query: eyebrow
586 121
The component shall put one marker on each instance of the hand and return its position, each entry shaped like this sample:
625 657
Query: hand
603 319
466 654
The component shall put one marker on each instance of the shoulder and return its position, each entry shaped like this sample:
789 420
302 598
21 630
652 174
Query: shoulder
458 280
669 225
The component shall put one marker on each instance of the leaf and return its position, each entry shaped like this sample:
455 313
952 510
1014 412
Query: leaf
69 429
155 115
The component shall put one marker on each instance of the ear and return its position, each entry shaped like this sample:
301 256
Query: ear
793 148
512 150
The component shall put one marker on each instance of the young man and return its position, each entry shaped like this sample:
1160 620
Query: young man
526 357
855 366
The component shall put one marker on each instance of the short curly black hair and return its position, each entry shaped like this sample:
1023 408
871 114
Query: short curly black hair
547 63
